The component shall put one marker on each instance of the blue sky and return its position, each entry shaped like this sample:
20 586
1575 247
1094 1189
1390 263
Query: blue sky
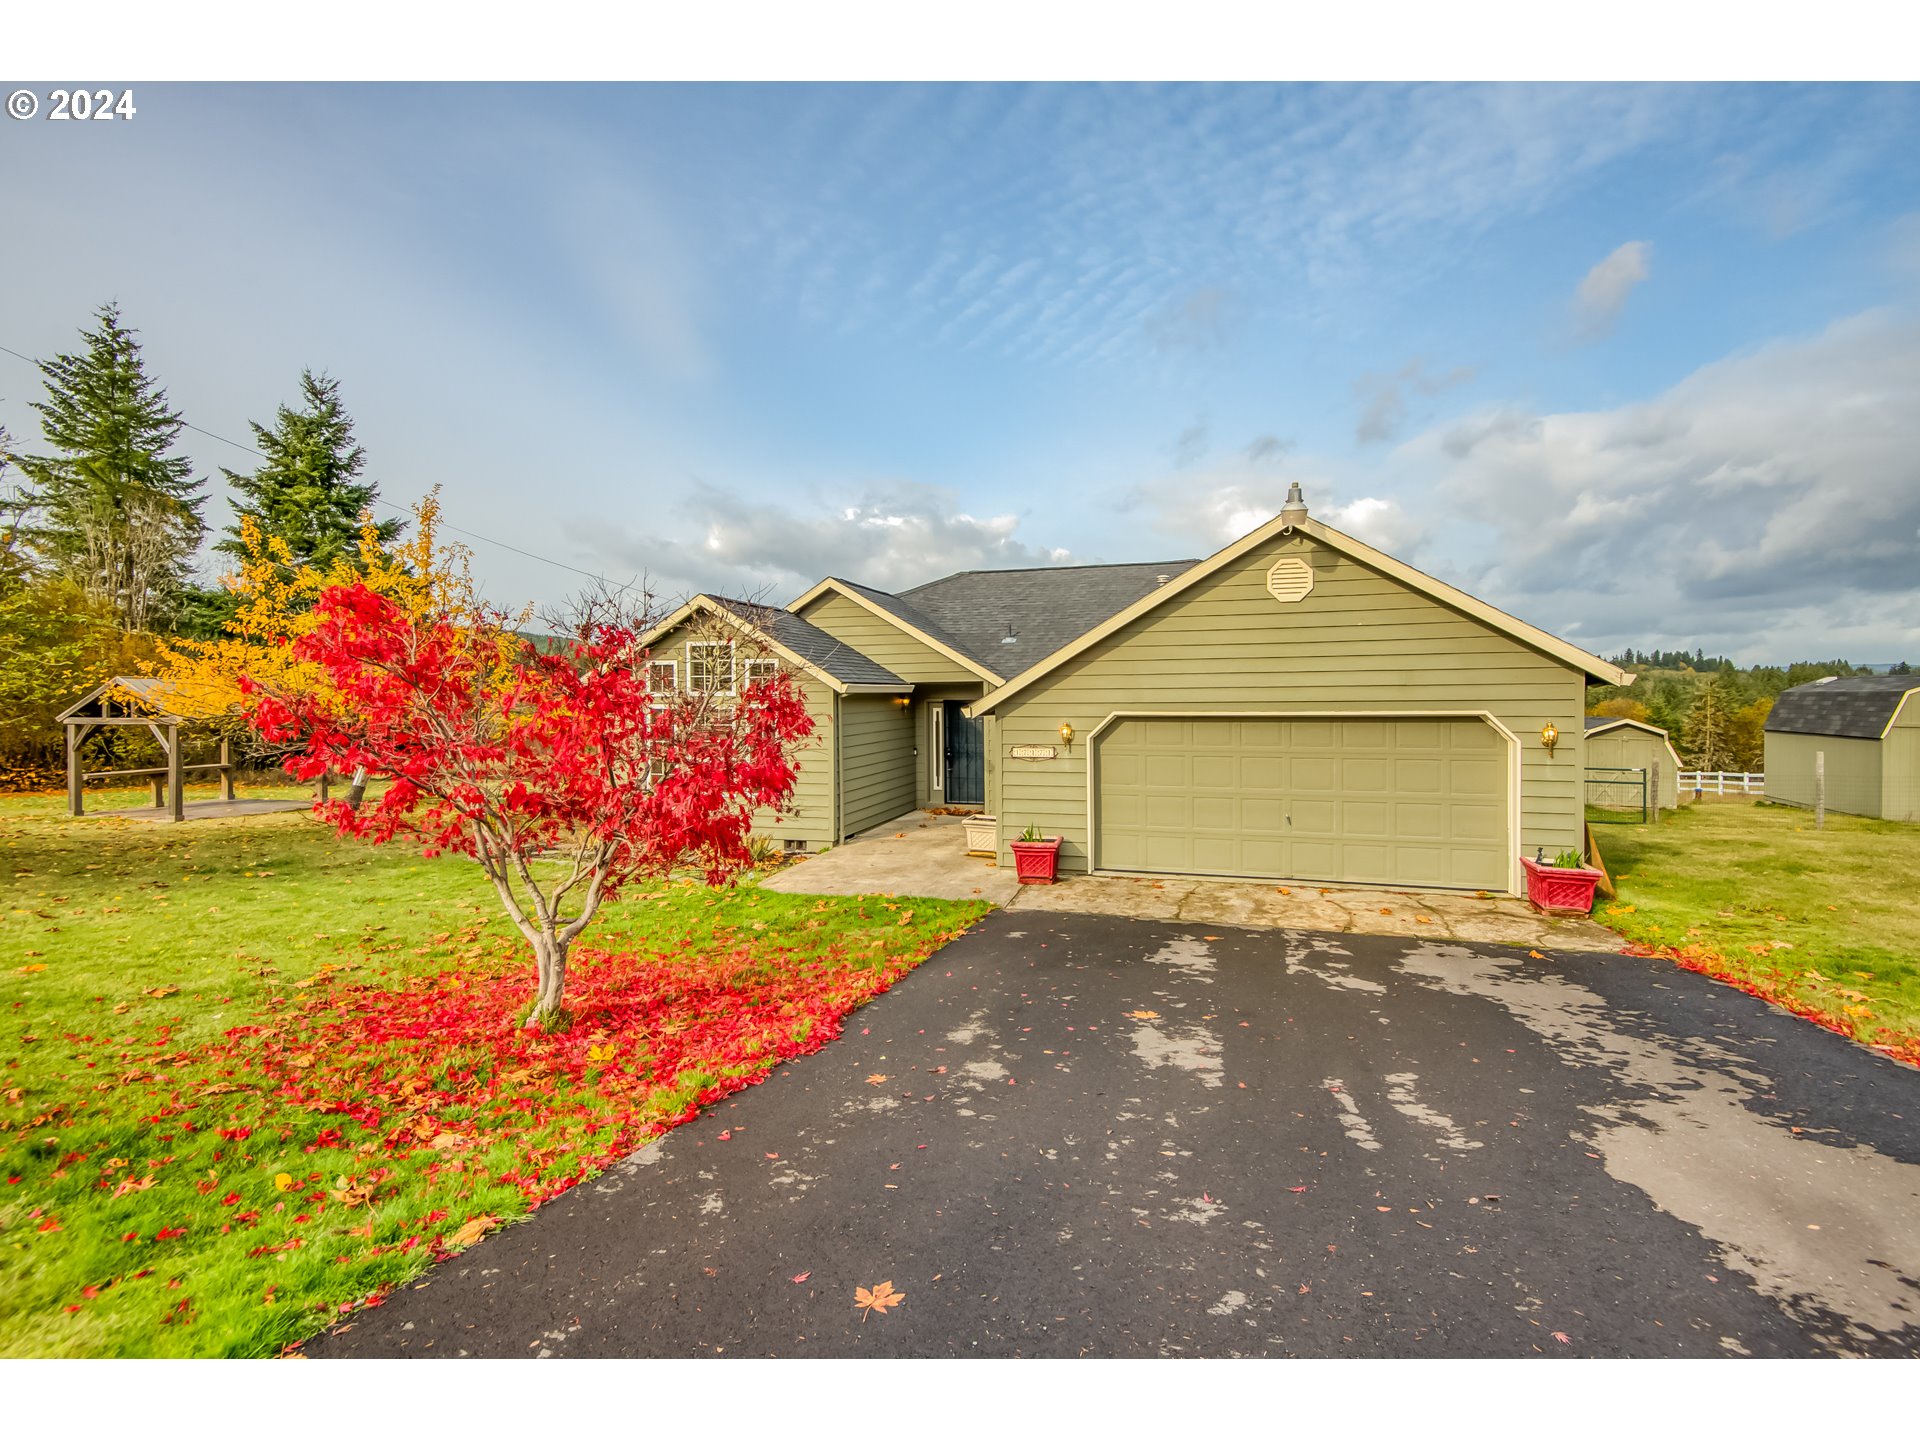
1638 363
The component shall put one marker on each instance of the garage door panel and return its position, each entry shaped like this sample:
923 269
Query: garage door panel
1423 776
1263 814
1319 819
1263 772
1310 774
1414 821
1365 775
1166 771
1365 734
1167 810
1366 819
1217 771
1367 800
1216 812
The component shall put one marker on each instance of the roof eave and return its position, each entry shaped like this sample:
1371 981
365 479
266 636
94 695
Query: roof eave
707 605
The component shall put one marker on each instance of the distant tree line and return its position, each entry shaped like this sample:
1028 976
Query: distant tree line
102 531
1715 711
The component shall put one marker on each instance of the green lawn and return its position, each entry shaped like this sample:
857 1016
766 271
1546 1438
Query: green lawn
1822 921
255 1074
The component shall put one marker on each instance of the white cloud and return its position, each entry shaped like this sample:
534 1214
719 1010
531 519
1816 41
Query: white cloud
891 537
1768 501
1604 291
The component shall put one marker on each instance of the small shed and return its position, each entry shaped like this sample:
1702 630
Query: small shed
1866 730
144 701
1615 744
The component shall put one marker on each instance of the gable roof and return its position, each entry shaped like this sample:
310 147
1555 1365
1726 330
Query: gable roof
1598 723
1859 707
1042 608
834 662
1289 520
891 607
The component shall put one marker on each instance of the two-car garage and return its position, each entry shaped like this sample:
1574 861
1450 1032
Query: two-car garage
1417 801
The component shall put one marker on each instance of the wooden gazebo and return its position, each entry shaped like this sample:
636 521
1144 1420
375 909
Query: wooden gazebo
139 700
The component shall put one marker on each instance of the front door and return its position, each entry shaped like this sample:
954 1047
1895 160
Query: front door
966 758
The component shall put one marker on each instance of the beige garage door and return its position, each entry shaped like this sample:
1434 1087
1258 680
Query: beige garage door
1384 802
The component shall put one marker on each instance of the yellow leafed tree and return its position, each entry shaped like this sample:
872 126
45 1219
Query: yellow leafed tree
420 575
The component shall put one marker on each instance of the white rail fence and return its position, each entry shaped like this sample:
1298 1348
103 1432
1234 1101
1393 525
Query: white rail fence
1722 782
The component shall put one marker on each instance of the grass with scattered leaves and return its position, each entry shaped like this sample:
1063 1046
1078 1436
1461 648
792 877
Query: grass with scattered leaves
256 1075
1819 921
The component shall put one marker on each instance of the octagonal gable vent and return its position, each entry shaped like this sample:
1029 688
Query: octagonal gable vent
1290 579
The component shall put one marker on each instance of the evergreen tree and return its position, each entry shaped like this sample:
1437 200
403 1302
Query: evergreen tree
112 509
307 490
1708 737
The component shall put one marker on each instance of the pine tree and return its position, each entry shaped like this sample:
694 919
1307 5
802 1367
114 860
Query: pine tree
307 490
112 509
1708 737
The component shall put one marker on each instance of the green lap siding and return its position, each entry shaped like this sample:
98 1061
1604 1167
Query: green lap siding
876 761
1852 771
885 642
1358 644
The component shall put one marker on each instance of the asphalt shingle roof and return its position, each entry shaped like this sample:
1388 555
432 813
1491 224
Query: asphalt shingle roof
1043 609
921 621
1855 706
811 643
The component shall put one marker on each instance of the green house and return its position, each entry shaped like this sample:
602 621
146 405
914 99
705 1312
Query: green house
1298 706
1867 728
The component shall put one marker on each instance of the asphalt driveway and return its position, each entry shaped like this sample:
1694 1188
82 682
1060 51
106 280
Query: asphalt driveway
1071 1135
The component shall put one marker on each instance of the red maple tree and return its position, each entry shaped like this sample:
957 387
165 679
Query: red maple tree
560 772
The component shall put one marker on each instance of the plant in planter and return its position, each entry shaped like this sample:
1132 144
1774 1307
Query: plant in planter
1036 859
983 834
1563 886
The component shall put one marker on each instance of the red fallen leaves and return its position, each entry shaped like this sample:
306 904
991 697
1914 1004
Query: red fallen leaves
1776 991
385 1061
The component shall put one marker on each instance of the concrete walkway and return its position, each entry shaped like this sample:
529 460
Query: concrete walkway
918 854
922 854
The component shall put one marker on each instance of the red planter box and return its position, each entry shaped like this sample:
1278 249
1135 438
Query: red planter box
1560 891
1036 862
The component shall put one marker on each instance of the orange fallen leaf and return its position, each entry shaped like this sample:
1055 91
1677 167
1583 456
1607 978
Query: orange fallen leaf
470 1232
1535 955
881 1297
1563 1337
1143 1014
802 1277
31 969
876 1079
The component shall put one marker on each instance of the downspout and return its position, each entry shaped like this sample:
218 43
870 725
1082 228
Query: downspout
839 833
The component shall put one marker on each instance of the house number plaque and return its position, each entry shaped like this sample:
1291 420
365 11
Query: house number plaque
1033 752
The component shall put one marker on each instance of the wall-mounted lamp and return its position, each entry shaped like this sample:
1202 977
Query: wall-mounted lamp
1066 734
1549 736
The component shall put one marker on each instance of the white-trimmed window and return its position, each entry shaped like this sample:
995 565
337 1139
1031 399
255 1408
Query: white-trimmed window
760 671
663 677
710 667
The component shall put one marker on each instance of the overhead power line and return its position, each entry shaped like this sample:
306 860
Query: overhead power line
254 450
